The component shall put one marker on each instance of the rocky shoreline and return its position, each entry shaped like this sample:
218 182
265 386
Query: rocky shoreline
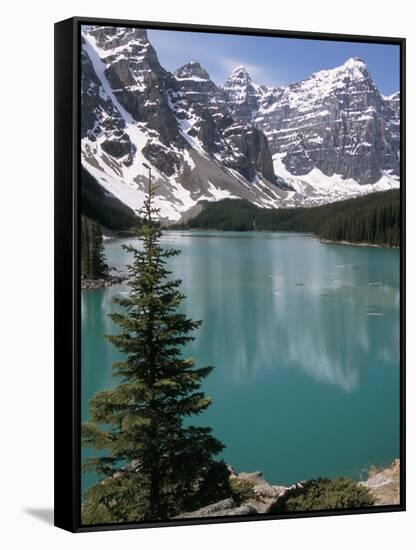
115 276
262 497
384 484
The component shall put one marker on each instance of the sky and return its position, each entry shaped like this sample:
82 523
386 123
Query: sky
273 61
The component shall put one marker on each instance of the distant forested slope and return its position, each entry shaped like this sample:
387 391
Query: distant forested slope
373 218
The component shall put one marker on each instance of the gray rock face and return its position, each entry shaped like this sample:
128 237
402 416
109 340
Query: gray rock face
197 101
100 117
242 95
253 151
337 121
140 85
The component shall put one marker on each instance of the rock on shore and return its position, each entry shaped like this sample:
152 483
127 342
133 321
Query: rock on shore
384 484
115 276
263 495
226 507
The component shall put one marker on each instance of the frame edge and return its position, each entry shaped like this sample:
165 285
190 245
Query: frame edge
66 503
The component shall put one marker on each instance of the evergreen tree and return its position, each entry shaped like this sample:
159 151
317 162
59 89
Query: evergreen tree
85 248
156 466
98 266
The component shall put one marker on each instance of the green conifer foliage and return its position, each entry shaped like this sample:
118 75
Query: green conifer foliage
323 494
156 465
373 218
98 266
85 248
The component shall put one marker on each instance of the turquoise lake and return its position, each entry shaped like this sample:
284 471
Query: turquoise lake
305 341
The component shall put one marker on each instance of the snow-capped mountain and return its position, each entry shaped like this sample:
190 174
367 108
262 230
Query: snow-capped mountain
242 95
330 136
336 121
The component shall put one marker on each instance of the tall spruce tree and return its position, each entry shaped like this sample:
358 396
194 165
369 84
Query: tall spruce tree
98 266
156 464
85 248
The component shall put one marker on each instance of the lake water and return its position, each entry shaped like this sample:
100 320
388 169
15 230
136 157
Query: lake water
304 338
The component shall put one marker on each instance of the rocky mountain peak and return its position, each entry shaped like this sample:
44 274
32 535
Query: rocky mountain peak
240 73
192 70
109 38
241 94
339 111
356 68
393 97
239 79
355 63
393 102
352 70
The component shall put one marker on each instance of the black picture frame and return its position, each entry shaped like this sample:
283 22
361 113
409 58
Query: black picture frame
67 268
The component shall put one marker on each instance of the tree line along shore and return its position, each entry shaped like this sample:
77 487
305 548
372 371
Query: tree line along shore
369 220
372 219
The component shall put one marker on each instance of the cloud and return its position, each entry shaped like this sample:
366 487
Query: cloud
176 48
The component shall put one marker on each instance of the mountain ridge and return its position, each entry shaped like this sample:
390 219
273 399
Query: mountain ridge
207 142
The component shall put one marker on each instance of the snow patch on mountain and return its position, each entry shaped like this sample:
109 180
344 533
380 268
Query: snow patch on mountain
217 194
320 188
